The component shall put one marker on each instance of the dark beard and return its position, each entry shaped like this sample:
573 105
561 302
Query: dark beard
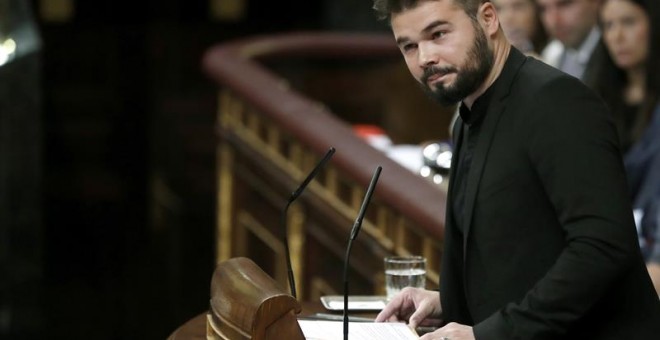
467 80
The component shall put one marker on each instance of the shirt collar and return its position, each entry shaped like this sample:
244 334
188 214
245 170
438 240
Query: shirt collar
479 107
481 104
583 53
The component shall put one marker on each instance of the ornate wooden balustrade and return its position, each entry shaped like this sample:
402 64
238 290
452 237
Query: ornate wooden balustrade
271 134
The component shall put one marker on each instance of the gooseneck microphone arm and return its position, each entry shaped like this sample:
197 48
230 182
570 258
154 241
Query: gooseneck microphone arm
294 195
289 270
354 232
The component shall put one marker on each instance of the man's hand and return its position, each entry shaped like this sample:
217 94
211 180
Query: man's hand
418 307
452 331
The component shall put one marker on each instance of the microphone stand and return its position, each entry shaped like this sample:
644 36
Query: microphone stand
294 195
289 270
354 232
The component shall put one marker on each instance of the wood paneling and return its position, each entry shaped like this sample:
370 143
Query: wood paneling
270 135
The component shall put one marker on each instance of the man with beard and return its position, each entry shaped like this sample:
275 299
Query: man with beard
539 238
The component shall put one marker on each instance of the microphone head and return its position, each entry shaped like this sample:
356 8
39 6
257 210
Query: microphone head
312 174
365 203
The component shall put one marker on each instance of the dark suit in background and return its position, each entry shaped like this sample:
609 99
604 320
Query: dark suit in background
555 53
547 241
595 63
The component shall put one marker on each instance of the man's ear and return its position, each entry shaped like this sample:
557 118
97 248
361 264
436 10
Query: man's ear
488 18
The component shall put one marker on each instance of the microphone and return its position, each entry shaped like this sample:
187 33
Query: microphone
354 232
294 195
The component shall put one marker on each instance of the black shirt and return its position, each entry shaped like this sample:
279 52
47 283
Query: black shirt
472 119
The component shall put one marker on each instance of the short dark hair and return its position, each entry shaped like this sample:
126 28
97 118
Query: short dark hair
385 8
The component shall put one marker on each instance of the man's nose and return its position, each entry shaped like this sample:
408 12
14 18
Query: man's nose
426 55
551 18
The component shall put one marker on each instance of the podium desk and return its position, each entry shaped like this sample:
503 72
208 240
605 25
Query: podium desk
195 328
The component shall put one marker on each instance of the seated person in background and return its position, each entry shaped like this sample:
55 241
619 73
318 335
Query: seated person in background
629 82
522 25
577 48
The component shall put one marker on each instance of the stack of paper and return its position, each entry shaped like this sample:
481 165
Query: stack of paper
334 330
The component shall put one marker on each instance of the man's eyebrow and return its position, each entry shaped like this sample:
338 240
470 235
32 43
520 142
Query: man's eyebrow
402 40
434 24
425 30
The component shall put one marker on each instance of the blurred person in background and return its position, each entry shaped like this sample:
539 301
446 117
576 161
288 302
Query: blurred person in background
577 48
629 82
521 23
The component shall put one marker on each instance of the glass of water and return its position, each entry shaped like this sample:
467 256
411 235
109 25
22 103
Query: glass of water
404 271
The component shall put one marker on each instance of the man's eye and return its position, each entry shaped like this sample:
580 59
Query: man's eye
438 34
408 47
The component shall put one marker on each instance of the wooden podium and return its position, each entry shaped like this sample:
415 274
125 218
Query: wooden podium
246 303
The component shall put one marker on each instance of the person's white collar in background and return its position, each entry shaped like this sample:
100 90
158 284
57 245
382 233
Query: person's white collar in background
588 45
553 53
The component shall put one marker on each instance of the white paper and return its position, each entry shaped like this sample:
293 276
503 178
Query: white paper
334 330
357 305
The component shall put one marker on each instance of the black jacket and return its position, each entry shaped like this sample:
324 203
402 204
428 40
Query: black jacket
550 248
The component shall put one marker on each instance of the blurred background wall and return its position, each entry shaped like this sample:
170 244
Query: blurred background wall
107 145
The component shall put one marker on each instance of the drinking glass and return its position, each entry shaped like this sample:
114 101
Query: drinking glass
404 271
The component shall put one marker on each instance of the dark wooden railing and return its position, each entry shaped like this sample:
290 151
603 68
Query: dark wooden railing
270 135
